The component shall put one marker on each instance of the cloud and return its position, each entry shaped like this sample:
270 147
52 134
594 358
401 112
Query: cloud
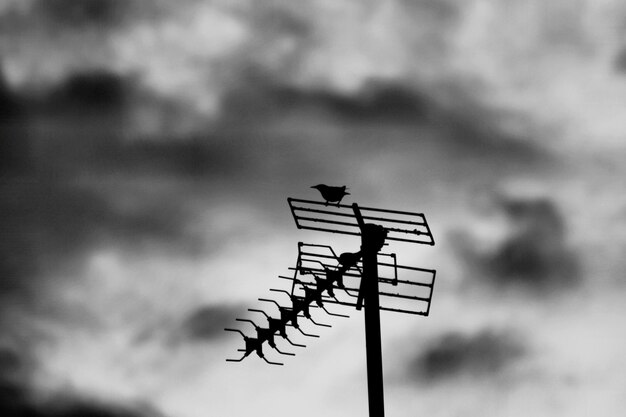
620 61
15 374
455 355
15 401
536 248
15 369
530 247
261 98
379 101
48 223
8 102
208 322
99 89
99 13
9 361
18 398
100 122
13 144
195 53
463 124
182 80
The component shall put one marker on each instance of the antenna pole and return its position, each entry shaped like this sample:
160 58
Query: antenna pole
322 281
372 240
372 336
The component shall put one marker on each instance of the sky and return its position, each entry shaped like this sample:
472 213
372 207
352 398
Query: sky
148 148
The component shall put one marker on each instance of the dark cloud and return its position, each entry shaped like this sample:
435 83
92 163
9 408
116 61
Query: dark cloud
620 61
15 370
463 122
449 140
47 216
66 128
10 362
93 122
260 95
101 13
131 193
534 252
18 401
99 89
44 223
192 157
377 102
9 103
13 401
14 153
208 322
440 11
455 354
86 124
15 398
94 409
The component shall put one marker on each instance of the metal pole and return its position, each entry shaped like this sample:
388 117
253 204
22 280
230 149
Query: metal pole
372 240
372 335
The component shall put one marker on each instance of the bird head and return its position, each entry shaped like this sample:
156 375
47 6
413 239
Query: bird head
318 186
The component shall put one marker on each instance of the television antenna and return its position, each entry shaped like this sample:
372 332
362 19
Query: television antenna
366 279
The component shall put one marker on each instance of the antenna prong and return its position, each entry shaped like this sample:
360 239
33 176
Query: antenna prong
293 344
319 324
347 291
270 362
334 314
236 330
267 300
280 291
283 353
258 311
247 321
306 334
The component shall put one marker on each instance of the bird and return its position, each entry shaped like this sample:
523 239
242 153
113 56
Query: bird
349 259
331 194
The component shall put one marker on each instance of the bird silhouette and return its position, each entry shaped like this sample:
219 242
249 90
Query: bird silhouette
349 260
331 194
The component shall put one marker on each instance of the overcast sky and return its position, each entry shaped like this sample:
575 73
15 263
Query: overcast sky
147 150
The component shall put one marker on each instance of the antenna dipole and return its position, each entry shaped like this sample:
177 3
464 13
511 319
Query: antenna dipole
354 279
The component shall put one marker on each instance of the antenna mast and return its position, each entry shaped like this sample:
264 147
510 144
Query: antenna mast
358 279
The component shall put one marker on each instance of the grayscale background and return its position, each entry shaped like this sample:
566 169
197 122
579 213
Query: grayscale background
147 149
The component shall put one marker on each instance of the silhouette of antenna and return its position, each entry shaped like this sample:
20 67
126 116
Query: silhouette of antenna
366 279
